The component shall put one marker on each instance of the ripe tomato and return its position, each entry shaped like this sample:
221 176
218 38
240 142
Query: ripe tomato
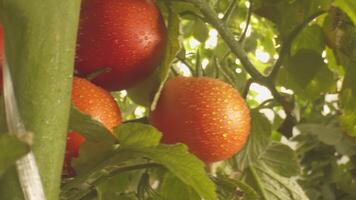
96 102
206 114
127 36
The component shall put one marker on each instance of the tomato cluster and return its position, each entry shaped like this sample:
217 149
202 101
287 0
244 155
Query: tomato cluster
128 38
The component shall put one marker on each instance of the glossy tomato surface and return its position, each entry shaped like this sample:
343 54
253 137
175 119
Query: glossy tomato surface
206 114
96 102
126 36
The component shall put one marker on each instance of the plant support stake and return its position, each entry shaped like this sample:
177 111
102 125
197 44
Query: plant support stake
26 166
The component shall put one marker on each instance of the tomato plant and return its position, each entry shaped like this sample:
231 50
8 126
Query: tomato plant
279 74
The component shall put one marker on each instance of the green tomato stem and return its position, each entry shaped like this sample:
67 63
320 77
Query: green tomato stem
40 41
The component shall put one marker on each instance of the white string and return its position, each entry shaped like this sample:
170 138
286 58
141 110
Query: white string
26 166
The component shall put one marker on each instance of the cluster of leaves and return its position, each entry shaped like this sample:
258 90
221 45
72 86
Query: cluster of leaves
302 143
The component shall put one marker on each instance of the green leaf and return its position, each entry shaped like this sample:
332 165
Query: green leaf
129 196
92 171
257 142
327 134
267 164
307 75
288 14
272 185
348 101
145 91
346 146
184 7
11 149
188 168
148 90
234 189
281 159
172 49
137 135
333 64
348 6
304 66
114 187
312 37
175 158
91 154
88 127
275 11
172 185
340 35
200 31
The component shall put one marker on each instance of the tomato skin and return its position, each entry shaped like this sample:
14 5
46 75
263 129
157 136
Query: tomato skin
206 114
127 36
96 102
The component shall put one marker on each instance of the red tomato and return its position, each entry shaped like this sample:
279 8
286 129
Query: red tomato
206 114
96 102
127 36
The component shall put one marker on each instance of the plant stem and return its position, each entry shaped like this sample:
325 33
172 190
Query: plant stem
39 43
125 169
248 20
229 11
237 49
247 88
226 34
186 63
226 75
81 192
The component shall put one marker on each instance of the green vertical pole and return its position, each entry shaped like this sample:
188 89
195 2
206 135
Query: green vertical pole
40 40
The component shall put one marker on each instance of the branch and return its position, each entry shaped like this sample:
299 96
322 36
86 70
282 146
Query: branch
192 14
125 169
237 49
247 88
288 44
220 69
198 67
211 17
88 185
229 11
186 63
287 106
248 20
